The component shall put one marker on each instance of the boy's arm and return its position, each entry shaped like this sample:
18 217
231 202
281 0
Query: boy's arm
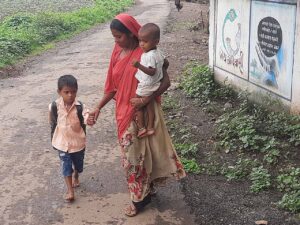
147 70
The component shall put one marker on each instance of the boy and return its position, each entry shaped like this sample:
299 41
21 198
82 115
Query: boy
149 74
68 118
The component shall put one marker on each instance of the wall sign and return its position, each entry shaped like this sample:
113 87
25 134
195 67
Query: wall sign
232 37
272 38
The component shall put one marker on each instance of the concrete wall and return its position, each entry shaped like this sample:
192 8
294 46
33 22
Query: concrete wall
254 46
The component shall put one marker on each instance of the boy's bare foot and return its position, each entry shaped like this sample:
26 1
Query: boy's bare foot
69 197
75 180
75 183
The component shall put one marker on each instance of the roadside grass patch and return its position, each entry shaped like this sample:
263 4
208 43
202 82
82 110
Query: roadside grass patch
260 143
23 34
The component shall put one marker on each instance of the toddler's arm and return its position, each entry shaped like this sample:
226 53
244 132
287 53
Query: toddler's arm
147 70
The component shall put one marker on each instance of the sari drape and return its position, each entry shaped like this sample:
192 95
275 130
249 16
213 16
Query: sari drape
120 78
146 160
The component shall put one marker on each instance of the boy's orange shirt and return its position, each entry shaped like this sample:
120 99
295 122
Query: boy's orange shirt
69 136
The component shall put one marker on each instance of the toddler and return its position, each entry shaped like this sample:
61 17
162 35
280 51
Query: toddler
148 75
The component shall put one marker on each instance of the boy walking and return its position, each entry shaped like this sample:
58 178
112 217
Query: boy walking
67 117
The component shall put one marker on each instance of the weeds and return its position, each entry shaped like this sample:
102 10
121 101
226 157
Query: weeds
191 166
288 182
260 178
198 82
240 170
247 129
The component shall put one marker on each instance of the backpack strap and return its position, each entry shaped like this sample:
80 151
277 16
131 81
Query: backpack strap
53 114
80 116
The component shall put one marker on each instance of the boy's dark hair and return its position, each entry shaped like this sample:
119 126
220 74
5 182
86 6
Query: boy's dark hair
153 29
67 80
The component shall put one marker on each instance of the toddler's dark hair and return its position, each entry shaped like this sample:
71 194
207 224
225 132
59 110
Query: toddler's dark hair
153 29
67 80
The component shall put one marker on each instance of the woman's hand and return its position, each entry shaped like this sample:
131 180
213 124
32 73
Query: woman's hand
93 116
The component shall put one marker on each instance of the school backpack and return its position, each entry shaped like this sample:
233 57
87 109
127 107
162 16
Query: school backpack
53 114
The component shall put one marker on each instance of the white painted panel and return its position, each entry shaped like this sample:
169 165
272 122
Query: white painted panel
232 37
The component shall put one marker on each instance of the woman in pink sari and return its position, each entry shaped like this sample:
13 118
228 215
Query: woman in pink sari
149 160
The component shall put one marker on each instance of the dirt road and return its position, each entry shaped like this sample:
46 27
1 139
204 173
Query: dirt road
31 186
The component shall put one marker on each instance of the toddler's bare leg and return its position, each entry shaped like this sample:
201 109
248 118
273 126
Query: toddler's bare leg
151 117
140 121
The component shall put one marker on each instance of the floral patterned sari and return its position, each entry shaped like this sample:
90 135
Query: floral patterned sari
150 159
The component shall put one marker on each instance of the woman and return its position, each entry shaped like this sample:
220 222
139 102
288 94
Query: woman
178 5
149 160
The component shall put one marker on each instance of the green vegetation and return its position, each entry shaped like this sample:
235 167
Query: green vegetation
251 141
260 178
191 166
288 182
198 82
23 34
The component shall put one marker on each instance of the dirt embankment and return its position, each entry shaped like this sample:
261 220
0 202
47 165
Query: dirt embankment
213 199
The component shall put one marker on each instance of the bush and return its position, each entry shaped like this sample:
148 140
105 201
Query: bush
22 34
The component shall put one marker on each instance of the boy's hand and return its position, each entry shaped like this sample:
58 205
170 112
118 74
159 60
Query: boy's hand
93 116
135 63
90 122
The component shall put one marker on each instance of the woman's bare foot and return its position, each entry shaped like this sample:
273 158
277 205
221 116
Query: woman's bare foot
130 210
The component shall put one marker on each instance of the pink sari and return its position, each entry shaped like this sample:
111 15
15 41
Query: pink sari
120 78
151 159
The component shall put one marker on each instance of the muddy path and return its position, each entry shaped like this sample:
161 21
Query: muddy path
31 186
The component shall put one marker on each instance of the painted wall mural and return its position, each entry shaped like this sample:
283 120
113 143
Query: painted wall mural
232 37
272 37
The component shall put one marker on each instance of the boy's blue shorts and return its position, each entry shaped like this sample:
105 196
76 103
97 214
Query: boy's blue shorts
71 161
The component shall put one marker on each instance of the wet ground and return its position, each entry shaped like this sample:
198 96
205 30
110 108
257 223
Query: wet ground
31 187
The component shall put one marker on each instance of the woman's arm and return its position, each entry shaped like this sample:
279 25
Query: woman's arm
93 115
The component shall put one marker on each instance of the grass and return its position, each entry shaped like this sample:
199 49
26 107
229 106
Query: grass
252 142
25 33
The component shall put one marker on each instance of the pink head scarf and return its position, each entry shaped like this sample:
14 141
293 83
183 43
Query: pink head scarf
129 22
